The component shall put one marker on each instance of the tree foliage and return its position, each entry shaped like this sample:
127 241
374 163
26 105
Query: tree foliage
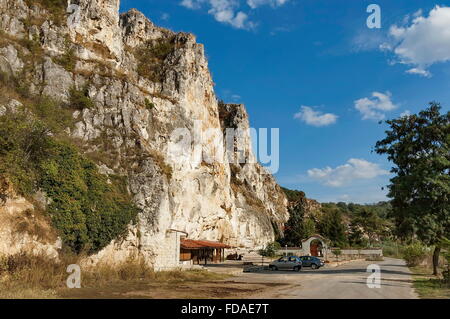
414 254
344 224
270 250
331 226
419 147
299 226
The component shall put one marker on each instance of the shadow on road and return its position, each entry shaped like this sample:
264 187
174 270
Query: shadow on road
364 283
332 271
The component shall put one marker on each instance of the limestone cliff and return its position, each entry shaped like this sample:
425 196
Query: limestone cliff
145 82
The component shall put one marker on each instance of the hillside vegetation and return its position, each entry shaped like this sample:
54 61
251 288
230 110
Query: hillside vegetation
87 209
345 225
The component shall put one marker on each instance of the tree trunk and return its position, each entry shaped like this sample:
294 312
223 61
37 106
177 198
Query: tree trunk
436 253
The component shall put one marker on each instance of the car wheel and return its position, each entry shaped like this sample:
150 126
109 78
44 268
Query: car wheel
273 268
298 268
314 266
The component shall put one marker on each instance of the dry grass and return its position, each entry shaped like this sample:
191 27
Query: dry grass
159 159
35 225
33 276
27 276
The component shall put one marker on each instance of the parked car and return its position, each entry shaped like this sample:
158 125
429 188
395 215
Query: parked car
311 261
286 263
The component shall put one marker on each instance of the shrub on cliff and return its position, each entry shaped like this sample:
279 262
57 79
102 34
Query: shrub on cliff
150 57
56 8
22 144
88 208
79 99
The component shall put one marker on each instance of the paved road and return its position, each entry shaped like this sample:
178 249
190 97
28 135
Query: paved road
347 281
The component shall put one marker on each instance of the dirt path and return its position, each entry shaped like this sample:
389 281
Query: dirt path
226 289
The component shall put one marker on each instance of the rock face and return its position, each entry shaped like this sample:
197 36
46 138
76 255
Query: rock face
139 103
22 226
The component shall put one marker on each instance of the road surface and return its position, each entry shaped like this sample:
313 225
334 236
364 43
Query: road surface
347 281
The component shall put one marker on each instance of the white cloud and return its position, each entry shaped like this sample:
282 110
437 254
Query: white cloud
165 16
236 97
368 40
258 3
423 42
224 11
227 11
191 4
354 169
374 108
419 71
315 118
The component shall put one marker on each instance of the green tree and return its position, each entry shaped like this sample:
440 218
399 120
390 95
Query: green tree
337 253
299 226
270 250
332 226
367 221
419 147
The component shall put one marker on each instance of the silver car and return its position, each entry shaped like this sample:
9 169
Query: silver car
286 263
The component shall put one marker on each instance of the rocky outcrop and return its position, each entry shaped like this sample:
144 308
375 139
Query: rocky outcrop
23 228
140 100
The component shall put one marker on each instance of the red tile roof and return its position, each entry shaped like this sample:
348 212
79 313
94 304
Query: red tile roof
201 244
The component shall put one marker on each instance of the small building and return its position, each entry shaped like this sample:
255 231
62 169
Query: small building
315 245
201 251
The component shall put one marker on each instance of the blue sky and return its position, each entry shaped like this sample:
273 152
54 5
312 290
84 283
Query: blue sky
315 70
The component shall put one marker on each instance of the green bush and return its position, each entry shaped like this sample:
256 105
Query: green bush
56 116
87 209
270 250
337 253
414 254
149 105
22 144
68 60
79 99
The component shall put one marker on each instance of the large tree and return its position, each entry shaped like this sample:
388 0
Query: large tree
419 147
332 226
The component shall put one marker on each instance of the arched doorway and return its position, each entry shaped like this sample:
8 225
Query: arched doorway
316 248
